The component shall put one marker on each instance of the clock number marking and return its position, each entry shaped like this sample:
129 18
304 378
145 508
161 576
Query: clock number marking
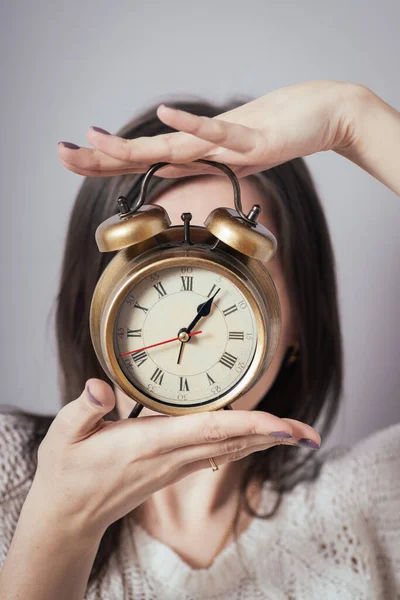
139 358
230 310
158 376
145 310
183 384
236 335
211 291
127 362
228 360
134 333
160 289
187 283
210 379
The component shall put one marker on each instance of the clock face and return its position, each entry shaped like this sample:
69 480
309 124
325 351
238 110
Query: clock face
185 336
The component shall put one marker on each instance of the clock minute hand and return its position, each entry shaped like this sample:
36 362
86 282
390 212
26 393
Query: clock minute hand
203 311
178 362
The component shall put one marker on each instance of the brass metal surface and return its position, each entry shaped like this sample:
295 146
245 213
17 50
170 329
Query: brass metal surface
119 232
129 267
255 241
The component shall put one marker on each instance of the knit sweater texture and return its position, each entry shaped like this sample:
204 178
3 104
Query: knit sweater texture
337 537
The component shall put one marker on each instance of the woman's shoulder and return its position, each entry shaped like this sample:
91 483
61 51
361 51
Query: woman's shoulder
357 495
363 480
371 465
20 436
345 521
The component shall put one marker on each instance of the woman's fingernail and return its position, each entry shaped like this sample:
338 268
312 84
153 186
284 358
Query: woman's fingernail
100 130
308 443
69 145
92 398
281 434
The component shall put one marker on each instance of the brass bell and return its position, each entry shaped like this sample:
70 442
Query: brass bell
253 240
130 228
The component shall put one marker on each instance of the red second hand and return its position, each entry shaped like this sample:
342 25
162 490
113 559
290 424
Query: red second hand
175 339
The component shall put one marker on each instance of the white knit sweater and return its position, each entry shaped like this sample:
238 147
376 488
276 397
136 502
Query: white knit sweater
335 538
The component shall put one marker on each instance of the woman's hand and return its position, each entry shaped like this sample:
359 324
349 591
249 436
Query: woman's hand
92 472
289 122
294 121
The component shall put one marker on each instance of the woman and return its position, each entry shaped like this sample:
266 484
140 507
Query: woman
133 506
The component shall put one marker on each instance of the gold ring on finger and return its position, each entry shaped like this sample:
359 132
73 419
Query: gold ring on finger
213 465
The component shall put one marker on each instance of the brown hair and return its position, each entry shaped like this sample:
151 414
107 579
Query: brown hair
307 389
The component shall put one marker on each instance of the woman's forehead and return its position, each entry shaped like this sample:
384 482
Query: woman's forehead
204 193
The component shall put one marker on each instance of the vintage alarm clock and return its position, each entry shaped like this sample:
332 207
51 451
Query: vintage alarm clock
185 319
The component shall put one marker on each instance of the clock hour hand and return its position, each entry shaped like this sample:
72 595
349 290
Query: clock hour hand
203 311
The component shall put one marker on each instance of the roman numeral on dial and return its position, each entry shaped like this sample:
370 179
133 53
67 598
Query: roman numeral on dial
236 335
211 291
228 360
134 332
141 308
187 283
210 379
158 376
139 358
230 310
183 384
160 289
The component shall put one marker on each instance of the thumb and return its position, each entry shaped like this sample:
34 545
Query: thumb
80 417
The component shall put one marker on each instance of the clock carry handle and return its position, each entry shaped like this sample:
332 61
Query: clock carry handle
248 219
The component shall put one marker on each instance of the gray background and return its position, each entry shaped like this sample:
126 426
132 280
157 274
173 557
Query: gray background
68 65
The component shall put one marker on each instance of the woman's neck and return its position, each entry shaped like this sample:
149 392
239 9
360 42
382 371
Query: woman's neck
193 515
198 498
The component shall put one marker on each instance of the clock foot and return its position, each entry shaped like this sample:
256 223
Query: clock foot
135 412
228 407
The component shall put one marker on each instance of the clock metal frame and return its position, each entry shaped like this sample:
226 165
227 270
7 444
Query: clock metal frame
133 264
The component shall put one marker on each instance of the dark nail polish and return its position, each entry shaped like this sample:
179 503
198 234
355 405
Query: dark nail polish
100 130
70 145
92 398
281 434
308 443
